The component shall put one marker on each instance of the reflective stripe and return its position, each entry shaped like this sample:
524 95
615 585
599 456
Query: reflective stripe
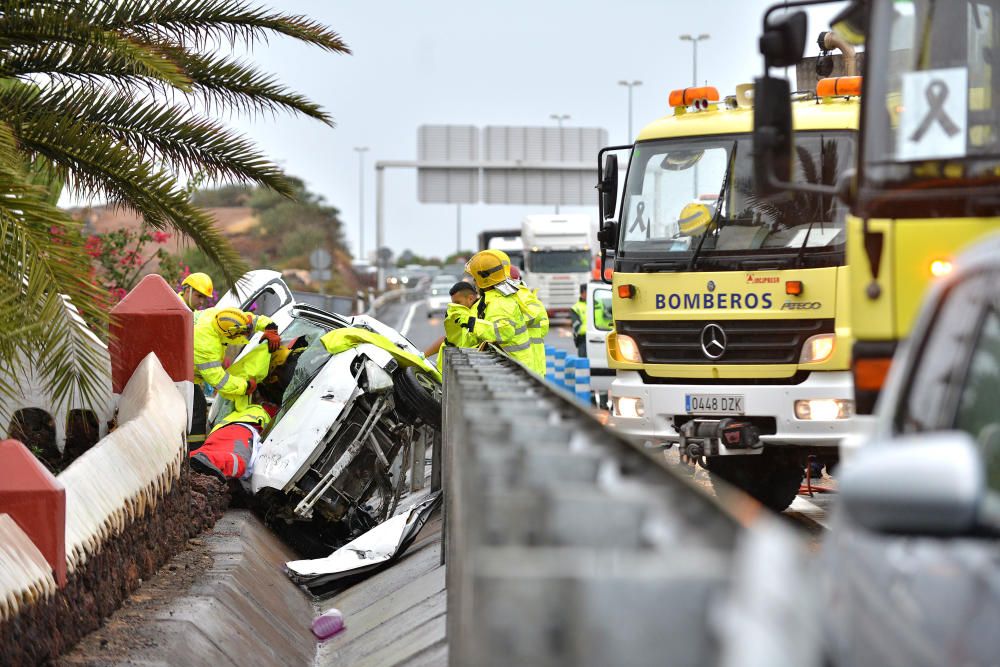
520 330
532 322
487 274
236 465
208 364
222 382
536 341
516 348
496 331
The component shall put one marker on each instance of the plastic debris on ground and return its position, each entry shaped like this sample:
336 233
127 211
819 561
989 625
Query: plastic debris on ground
328 624
365 554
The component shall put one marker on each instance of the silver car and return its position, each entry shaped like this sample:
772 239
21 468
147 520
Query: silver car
911 567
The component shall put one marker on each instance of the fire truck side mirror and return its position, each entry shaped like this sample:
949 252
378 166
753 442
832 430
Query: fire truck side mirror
772 135
784 39
609 187
608 236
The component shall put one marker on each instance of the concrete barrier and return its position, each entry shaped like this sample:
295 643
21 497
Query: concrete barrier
567 545
153 319
25 574
127 508
125 474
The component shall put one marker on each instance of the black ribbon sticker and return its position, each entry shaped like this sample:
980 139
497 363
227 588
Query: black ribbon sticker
936 94
638 223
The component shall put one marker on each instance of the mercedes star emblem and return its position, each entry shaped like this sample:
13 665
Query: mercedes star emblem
713 341
711 285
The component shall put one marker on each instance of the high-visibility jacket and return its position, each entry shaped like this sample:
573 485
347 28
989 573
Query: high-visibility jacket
537 320
579 318
499 320
229 450
195 314
456 333
209 351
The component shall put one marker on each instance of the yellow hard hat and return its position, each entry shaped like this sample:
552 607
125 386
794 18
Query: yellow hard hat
199 282
504 259
232 322
487 268
695 219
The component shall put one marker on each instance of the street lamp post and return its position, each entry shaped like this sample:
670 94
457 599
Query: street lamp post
559 118
694 60
630 85
694 82
361 150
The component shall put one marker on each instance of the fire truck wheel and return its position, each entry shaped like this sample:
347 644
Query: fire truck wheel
773 481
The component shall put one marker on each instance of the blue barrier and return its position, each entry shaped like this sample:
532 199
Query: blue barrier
550 363
582 389
560 368
569 375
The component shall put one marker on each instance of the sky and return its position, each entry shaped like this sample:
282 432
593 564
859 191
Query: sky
484 63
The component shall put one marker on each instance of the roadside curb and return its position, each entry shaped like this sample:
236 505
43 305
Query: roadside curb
236 608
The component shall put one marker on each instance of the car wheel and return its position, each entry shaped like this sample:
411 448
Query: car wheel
419 396
773 481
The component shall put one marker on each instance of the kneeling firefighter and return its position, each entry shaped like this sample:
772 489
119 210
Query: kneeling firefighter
228 451
212 334
498 317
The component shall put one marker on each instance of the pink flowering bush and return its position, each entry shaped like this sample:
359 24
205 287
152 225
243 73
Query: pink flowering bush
120 258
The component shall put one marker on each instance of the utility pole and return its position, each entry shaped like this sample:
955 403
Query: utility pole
630 85
559 118
694 82
361 150
458 228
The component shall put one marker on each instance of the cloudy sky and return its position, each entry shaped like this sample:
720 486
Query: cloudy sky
484 63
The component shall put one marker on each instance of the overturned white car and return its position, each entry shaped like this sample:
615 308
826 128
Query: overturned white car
351 395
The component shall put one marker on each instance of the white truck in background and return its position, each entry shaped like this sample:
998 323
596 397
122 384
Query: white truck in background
507 240
558 253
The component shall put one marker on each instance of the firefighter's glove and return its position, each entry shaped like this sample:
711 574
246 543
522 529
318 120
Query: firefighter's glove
251 386
272 338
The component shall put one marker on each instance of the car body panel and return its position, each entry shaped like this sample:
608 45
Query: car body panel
263 292
294 442
920 600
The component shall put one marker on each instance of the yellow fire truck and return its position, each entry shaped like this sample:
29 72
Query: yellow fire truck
732 327
928 162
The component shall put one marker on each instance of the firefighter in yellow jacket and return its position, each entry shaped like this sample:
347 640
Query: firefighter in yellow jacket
456 331
196 290
498 318
214 331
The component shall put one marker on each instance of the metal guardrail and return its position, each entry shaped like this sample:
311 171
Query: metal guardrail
567 545
394 296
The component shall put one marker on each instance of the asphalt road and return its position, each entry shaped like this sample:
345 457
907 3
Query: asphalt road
807 512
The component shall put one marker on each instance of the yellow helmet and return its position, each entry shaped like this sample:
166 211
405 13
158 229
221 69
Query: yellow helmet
695 219
232 322
199 282
504 259
487 268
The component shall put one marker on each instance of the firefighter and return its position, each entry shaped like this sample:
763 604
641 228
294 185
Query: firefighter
212 334
195 292
497 315
535 316
456 333
227 453
578 315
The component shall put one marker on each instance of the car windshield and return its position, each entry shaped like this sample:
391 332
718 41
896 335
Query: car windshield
673 188
304 365
936 109
558 261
